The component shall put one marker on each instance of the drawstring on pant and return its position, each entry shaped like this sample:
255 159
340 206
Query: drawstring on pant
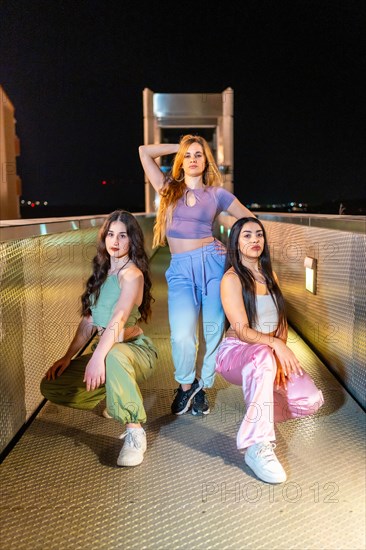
204 284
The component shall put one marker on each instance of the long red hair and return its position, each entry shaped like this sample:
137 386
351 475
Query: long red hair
175 186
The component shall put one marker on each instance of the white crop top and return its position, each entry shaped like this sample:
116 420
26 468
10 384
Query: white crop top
267 315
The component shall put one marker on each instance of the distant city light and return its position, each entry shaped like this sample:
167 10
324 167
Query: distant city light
33 203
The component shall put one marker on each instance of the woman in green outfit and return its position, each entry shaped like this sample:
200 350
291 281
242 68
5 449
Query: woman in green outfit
116 297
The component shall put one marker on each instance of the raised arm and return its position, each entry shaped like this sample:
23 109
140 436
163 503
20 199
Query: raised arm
148 154
238 210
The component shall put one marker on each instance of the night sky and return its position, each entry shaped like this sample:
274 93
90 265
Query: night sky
75 72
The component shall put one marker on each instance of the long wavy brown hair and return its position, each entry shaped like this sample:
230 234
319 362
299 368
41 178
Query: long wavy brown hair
246 277
175 186
101 263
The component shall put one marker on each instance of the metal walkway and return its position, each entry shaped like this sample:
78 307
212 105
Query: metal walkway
61 488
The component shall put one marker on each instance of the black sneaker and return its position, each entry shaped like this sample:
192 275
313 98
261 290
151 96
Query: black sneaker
200 404
182 400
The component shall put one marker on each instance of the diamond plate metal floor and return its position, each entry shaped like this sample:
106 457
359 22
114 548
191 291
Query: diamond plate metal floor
61 488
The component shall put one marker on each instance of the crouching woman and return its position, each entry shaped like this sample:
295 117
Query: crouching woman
116 297
254 353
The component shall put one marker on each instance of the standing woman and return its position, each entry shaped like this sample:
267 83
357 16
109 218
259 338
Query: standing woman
190 200
254 353
116 297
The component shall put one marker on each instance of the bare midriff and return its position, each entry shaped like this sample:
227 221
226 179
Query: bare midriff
177 246
231 333
130 333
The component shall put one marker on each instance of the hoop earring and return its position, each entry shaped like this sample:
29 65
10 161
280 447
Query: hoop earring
204 176
182 178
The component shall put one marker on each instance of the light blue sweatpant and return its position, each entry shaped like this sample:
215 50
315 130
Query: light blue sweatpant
194 286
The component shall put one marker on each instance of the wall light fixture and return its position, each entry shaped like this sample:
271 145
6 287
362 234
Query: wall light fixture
310 265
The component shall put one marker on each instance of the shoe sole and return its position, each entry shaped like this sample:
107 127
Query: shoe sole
125 465
268 479
200 413
189 402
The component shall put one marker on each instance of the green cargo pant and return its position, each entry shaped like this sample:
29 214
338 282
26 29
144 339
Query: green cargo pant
127 364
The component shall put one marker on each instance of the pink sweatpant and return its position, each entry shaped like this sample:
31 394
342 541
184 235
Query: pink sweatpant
253 367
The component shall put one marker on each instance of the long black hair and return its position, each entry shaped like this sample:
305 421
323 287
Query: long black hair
101 262
246 277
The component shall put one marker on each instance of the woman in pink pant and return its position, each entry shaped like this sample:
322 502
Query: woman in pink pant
254 353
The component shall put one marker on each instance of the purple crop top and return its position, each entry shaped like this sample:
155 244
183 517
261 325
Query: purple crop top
196 222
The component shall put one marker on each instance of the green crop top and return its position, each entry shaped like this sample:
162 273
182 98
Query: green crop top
102 311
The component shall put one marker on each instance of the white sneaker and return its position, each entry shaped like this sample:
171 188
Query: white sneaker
264 463
132 452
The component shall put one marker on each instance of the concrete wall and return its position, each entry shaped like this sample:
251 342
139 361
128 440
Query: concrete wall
10 184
